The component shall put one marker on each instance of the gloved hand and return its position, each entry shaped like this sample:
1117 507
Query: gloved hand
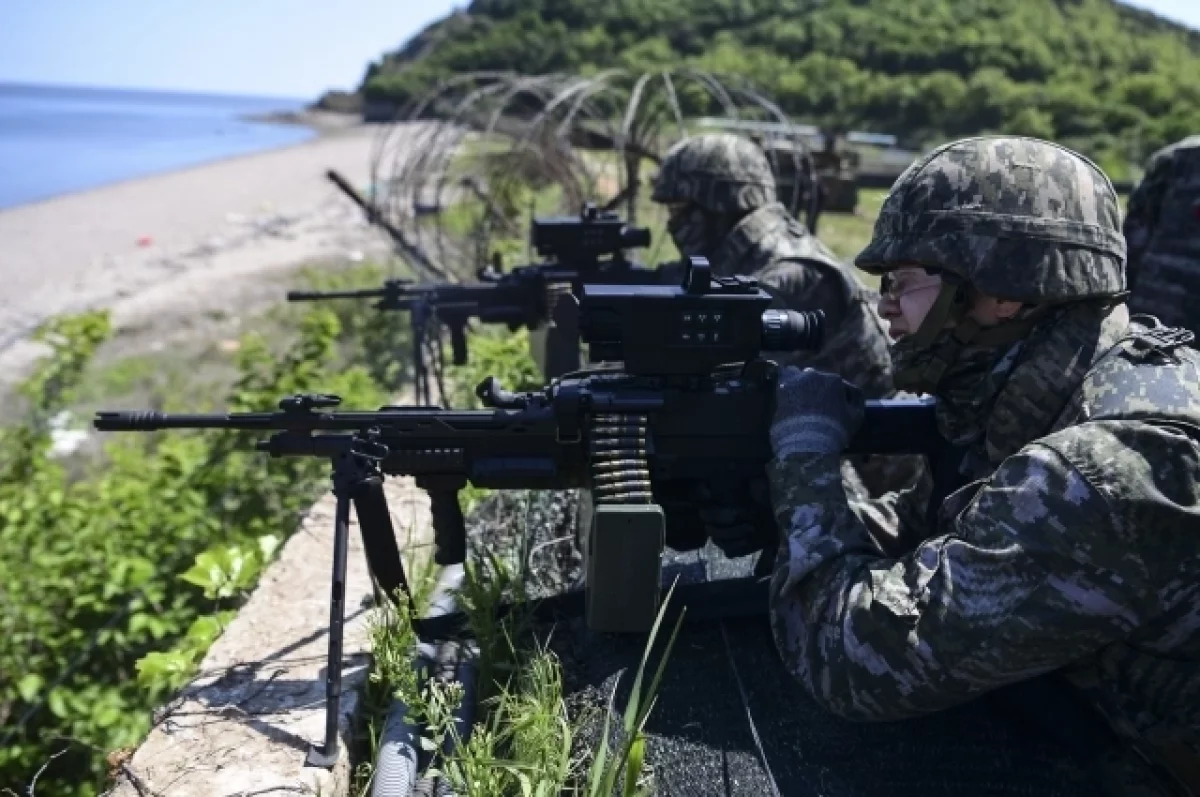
815 413
736 516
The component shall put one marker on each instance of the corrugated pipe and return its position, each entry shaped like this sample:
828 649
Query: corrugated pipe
400 757
396 764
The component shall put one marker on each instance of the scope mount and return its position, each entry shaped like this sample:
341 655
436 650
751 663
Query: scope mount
692 328
585 238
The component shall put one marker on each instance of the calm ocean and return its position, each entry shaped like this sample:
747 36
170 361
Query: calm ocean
60 140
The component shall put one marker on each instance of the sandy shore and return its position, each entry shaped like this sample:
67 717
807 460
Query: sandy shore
160 250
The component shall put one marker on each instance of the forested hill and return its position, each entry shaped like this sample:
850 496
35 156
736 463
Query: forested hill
1111 80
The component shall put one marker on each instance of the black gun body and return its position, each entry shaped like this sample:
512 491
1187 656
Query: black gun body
691 433
517 298
493 449
695 430
508 303
498 449
720 429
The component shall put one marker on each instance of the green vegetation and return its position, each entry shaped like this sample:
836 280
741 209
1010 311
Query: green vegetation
379 342
499 353
524 740
848 234
1108 79
118 570
121 563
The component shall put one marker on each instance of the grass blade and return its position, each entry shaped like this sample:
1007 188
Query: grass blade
631 709
598 773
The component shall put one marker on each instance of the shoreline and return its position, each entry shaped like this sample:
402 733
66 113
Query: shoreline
321 128
161 251
321 122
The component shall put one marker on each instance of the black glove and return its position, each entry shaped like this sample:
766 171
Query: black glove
815 412
737 515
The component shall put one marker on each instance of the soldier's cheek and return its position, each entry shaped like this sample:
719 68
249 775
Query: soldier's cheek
914 306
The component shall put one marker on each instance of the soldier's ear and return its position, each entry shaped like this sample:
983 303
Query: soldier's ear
1006 309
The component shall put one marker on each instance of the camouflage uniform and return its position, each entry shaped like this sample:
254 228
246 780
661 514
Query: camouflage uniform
736 222
1162 228
1074 540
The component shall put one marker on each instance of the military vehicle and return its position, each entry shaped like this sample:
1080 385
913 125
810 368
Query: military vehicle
812 150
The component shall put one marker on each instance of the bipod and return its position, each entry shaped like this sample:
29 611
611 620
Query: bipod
356 477
427 348
419 317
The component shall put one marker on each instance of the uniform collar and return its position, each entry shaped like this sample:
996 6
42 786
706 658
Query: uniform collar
1051 366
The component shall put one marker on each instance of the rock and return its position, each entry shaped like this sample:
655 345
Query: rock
245 724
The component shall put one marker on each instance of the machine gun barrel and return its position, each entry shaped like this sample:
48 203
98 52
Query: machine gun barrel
889 427
139 421
317 296
487 300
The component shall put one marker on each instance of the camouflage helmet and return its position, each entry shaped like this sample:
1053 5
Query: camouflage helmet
1018 218
721 173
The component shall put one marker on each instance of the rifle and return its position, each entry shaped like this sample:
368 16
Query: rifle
692 401
588 248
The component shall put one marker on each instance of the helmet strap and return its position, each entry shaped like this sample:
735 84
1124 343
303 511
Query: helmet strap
952 304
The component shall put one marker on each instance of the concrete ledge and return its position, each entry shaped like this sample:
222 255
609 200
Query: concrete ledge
245 724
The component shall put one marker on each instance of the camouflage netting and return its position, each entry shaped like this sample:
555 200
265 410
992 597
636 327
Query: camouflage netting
471 154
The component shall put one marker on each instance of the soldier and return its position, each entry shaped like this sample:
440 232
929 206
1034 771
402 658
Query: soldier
722 202
1073 542
720 195
1162 230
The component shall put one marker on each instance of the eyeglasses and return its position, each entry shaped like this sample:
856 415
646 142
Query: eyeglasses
894 289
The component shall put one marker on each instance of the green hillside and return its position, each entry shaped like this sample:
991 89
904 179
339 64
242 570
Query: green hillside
1110 80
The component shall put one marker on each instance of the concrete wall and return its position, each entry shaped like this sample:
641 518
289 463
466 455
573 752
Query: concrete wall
244 725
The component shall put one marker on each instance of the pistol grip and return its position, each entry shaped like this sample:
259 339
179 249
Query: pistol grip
458 342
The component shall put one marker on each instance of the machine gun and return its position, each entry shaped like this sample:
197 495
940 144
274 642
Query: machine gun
588 248
691 402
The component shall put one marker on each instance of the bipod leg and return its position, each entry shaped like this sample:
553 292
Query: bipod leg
378 534
439 370
351 471
419 318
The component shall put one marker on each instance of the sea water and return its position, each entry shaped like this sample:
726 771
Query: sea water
58 140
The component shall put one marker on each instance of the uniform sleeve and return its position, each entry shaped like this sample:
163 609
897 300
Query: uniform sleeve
894 520
1008 593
